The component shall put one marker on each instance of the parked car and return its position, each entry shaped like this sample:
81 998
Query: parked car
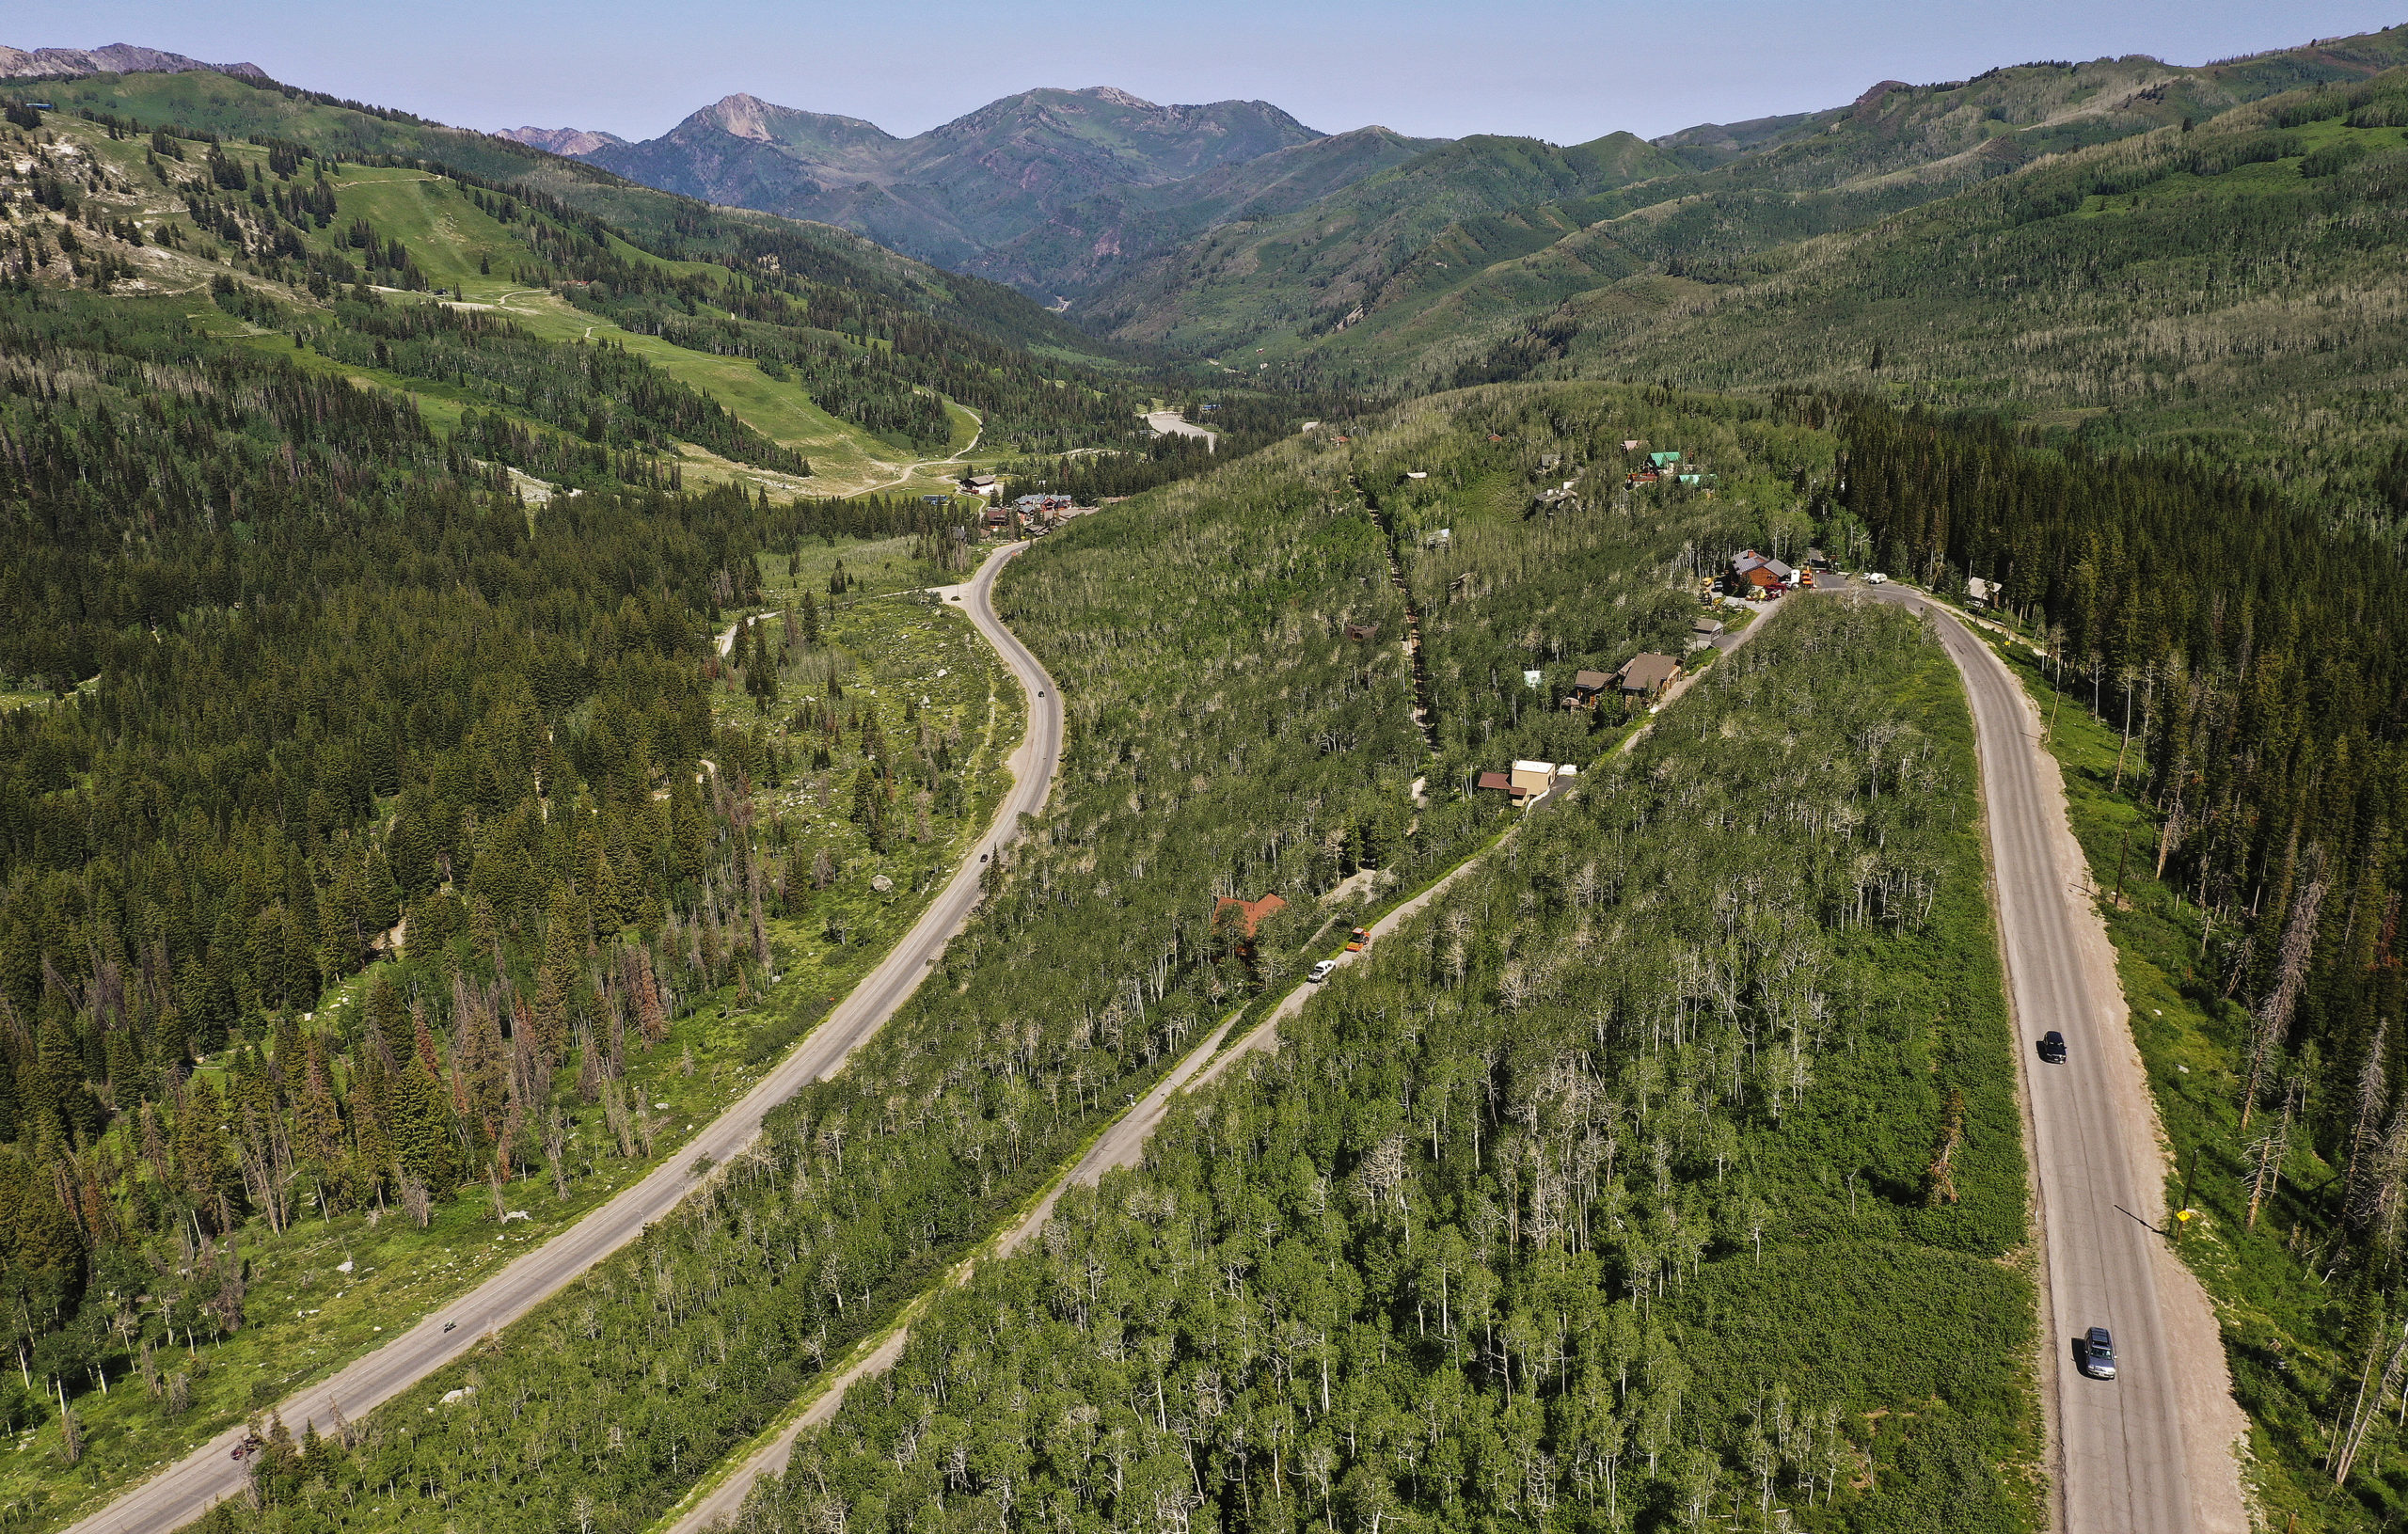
1876 577
2099 1354
2052 1046
1321 971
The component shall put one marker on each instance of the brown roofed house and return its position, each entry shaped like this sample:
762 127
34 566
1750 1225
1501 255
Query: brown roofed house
1501 782
1586 685
1250 912
1647 675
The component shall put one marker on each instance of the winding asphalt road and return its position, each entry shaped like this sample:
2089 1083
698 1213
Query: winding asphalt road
2150 1451
187 1490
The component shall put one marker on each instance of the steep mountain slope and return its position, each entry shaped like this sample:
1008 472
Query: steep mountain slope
1084 245
1711 192
957 190
665 224
1311 270
2237 286
787 357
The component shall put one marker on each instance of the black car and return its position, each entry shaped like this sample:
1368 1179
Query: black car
2052 1046
2099 1354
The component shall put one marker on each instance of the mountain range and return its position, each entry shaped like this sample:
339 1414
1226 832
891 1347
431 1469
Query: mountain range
1229 225
949 195
116 59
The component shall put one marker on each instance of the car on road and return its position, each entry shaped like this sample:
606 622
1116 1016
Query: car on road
2052 1046
1321 971
2099 1354
1355 940
1874 577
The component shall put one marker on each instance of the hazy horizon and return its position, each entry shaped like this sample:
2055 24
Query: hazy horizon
636 69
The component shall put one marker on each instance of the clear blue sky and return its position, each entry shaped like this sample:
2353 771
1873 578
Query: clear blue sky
1562 69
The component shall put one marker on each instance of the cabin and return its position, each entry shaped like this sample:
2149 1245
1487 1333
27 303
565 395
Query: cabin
1752 572
1983 593
1647 675
1704 632
1250 917
1587 688
981 484
1528 783
1663 460
1362 633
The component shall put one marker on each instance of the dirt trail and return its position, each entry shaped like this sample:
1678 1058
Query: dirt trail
1121 1144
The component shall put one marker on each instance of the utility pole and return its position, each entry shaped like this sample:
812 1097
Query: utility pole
2121 847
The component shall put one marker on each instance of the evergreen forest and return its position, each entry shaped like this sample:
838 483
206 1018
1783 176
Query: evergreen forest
477 694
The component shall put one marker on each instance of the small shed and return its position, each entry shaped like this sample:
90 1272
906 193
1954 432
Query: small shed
1707 628
1362 633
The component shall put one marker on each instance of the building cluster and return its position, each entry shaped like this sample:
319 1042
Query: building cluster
1660 466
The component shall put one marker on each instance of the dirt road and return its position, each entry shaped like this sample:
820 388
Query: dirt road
186 1489
1121 1144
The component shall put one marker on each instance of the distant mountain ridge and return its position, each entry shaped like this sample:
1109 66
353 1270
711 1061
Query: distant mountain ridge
568 141
954 193
116 59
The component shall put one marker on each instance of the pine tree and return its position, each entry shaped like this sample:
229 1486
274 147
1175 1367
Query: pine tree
561 975
420 1129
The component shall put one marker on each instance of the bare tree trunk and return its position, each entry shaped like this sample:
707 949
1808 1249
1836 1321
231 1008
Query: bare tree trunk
2368 1406
2274 1018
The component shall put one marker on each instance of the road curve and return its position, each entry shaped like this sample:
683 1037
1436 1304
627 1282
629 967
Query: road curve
186 1489
2151 1451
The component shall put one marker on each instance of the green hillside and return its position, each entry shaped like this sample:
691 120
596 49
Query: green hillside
1345 292
2233 289
844 374
1304 272
669 225
1611 1171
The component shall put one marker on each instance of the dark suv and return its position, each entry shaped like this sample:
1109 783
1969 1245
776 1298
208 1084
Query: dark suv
2099 1354
2052 1046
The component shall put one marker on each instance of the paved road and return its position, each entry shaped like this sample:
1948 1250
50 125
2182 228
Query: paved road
2149 1451
185 1490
